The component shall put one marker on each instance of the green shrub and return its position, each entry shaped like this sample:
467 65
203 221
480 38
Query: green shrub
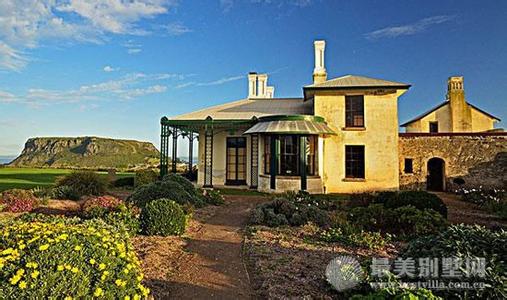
406 221
143 177
64 192
419 199
281 212
464 241
84 183
213 197
398 294
350 235
124 182
327 202
492 200
17 200
185 183
55 260
163 217
169 189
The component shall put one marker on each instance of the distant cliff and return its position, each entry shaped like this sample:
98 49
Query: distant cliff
86 153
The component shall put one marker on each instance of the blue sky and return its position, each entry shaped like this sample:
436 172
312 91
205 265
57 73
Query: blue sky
113 68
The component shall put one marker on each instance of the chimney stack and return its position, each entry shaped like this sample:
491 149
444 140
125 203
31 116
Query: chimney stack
252 85
461 114
319 72
258 86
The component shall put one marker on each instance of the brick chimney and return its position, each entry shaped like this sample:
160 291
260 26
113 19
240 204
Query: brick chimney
319 72
461 114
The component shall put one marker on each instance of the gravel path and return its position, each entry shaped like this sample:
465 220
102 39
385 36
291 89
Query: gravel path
214 268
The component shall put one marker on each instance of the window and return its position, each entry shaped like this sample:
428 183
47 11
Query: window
409 166
289 155
354 161
433 127
288 160
354 111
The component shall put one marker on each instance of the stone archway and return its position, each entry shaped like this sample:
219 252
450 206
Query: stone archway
435 180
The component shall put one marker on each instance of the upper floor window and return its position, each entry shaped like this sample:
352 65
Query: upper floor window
433 127
354 162
354 111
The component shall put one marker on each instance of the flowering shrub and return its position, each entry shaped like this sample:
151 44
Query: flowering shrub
17 200
169 189
493 200
57 260
97 205
163 217
114 212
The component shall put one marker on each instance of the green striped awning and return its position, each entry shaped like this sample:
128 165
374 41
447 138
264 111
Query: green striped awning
294 124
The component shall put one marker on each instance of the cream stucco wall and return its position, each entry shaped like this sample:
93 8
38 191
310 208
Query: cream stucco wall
480 121
441 115
380 138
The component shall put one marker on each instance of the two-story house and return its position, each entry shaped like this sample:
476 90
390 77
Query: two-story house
341 136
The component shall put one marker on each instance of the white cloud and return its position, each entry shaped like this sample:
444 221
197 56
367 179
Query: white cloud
408 29
132 47
6 97
176 29
24 24
209 83
127 87
116 16
108 69
227 5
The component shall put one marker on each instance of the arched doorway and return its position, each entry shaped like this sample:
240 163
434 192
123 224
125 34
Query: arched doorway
435 181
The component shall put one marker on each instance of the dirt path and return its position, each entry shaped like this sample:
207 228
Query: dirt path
462 212
213 266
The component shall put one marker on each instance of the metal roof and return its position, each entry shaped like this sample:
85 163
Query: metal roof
442 105
312 125
354 81
247 109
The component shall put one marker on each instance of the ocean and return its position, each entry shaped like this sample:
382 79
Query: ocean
6 159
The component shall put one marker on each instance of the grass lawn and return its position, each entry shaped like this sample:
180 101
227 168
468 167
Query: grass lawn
27 178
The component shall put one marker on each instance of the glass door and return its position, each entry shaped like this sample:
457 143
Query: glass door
236 161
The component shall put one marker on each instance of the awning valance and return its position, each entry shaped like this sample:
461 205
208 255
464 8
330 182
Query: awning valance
294 124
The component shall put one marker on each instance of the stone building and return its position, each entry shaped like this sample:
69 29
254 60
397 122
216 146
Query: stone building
341 136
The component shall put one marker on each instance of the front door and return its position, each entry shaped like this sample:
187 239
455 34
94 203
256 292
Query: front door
236 161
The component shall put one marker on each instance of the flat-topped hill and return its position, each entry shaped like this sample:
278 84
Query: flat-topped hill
86 153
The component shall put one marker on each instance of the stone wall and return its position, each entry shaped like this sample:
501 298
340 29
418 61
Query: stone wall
480 159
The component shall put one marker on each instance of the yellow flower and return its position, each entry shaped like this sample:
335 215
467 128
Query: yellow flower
20 272
68 298
98 292
68 267
35 274
7 251
60 268
92 261
118 282
137 297
74 270
102 266
33 265
44 247
14 279
22 285
140 277
127 298
21 246
77 248
126 271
